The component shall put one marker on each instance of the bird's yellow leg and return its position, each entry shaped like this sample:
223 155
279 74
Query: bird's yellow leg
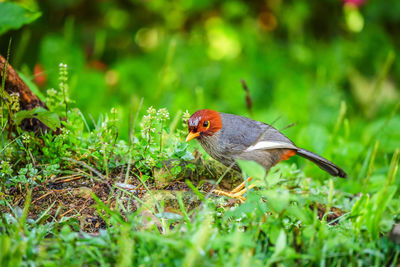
239 187
229 194
237 192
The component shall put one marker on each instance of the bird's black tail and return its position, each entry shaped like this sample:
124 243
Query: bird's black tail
323 163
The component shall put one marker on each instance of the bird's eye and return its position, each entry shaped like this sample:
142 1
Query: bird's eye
206 124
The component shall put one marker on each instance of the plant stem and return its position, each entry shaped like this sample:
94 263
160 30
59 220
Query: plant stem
161 135
3 84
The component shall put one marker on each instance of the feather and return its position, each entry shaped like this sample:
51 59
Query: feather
265 145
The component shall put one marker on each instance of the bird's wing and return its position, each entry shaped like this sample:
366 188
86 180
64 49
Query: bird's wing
250 135
265 145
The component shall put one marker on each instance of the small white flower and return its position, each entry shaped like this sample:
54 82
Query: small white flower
151 110
163 114
51 92
185 116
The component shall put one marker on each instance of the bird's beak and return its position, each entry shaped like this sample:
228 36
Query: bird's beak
192 135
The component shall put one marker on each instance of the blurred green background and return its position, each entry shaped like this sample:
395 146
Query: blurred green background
330 66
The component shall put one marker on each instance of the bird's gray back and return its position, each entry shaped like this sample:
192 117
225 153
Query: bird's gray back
240 132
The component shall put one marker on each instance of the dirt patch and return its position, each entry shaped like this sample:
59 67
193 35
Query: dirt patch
71 196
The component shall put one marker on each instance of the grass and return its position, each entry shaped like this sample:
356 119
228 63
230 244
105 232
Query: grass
69 208
119 186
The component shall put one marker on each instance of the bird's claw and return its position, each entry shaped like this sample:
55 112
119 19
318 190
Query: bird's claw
237 192
237 196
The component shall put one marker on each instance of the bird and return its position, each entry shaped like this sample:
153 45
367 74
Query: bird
228 137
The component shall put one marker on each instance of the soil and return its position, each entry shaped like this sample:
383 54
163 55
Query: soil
71 197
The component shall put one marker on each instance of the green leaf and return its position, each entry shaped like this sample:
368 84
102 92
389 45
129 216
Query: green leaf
23 114
252 169
13 16
278 200
280 243
49 118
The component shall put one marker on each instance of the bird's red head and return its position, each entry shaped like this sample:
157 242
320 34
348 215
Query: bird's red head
204 122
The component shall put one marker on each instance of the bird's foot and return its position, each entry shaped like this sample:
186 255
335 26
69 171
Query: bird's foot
240 187
230 194
237 192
